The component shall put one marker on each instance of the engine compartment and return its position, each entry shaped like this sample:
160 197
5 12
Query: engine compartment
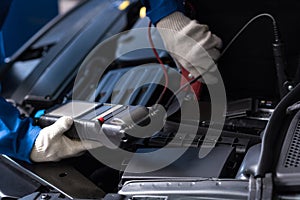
135 80
244 124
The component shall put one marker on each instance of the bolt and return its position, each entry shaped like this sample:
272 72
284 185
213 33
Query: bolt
188 97
45 196
190 76
290 87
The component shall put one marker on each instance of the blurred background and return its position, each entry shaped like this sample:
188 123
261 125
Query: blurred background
66 5
20 20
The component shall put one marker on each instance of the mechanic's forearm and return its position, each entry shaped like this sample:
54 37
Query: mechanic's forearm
17 135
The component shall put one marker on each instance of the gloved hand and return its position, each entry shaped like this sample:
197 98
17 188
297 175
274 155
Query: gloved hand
191 44
52 145
158 9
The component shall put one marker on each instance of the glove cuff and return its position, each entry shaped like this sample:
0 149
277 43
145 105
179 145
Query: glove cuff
175 21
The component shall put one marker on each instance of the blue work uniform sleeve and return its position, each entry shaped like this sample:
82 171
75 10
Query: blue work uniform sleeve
158 9
17 135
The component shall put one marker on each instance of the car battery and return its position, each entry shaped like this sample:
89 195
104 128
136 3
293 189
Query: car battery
98 121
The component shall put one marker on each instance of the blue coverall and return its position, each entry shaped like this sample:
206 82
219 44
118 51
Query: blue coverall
17 135
158 9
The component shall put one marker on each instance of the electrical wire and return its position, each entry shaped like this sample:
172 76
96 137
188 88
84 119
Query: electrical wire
183 87
246 25
276 38
160 62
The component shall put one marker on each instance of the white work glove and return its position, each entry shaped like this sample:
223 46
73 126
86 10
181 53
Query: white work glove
52 145
191 44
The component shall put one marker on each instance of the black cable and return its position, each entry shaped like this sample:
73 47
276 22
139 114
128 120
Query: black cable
275 30
276 39
182 88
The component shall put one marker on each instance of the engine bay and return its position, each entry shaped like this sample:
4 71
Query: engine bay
160 139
